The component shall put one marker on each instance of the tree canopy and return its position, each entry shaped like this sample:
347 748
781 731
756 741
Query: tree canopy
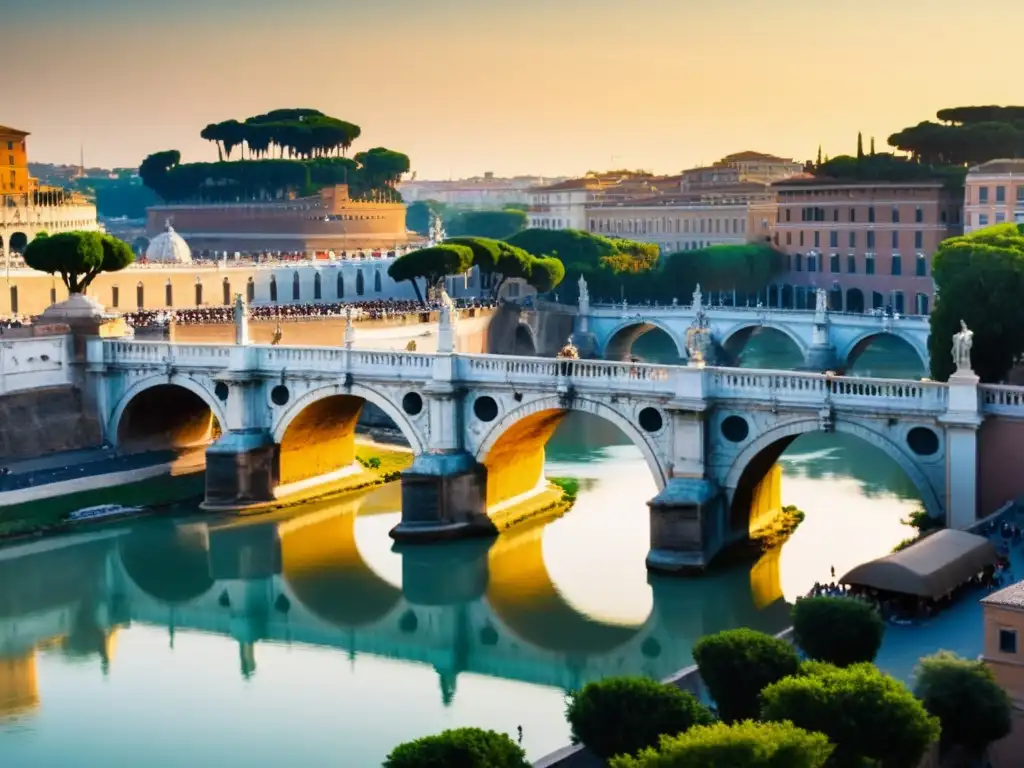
498 225
737 664
743 745
310 149
966 136
971 706
459 748
980 279
78 257
431 264
839 630
866 714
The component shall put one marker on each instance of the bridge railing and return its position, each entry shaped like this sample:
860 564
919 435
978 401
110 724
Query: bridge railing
163 352
792 388
399 365
585 374
1001 400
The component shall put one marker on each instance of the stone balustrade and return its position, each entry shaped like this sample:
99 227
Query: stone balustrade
1002 400
35 363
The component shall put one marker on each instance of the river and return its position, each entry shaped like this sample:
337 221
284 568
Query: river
306 639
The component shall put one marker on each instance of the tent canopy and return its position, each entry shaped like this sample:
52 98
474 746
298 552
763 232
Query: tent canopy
931 567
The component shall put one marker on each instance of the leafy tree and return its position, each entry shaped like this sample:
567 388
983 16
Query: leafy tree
973 709
743 745
839 630
432 264
980 279
737 664
512 263
78 257
868 715
622 715
486 252
497 225
459 748
967 135
546 274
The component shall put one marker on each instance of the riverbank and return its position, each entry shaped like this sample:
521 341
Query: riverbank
767 538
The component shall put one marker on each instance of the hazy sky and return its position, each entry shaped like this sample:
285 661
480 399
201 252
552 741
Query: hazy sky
510 86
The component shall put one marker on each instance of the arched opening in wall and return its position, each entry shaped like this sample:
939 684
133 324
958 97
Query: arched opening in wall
250 290
377 286
166 417
226 291
18 242
199 292
115 297
321 438
169 294
140 295
645 342
317 287
14 299
853 491
773 296
326 573
885 355
877 300
921 303
296 287
340 288
360 287
523 343
168 562
515 452
854 300
273 288
139 245
786 297
835 298
757 346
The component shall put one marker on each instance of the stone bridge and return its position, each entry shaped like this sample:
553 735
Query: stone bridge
283 419
826 340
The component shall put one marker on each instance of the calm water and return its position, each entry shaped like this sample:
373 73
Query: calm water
306 640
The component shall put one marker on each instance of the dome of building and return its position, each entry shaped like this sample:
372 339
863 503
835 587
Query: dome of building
168 248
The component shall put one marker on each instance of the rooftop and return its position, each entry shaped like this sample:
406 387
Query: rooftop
815 181
749 156
1008 597
5 131
1005 165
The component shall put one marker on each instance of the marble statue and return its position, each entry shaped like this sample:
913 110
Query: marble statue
239 309
584 292
698 297
962 343
278 333
821 300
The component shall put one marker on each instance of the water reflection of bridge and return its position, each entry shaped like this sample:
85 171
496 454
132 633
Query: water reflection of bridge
485 607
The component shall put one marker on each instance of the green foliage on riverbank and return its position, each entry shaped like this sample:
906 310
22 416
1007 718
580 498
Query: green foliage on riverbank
459 748
837 630
570 487
779 530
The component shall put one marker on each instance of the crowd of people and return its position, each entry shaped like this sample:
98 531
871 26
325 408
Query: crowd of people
372 309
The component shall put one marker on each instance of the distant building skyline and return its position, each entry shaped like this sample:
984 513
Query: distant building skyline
573 86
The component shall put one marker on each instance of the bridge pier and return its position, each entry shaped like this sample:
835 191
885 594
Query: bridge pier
444 496
241 469
686 526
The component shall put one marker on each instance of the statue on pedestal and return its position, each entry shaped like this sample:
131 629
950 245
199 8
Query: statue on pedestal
350 331
698 299
241 314
821 301
962 343
584 299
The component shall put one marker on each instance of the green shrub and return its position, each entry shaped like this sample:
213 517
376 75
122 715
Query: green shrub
744 745
972 708
459 748
737 664
621 715
839 630
867 715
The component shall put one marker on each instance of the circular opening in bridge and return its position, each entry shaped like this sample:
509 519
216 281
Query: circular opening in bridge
408 623
485 408
279 395
923 441
651 648
650 420
735 429
489 636
221 391
412 403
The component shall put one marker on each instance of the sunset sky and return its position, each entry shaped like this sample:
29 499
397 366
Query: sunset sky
510 86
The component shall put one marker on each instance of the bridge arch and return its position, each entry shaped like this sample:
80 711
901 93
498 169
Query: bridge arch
848 356
736 338
144 407
169 563
524 342
513 448
755 460
621 338
316 433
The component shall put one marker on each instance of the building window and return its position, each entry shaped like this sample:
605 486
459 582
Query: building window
1000 217
921 267
789 212
317 287
871 239
817 239
169 294
250 291
982 194
918 215
851 264
919 240
377 286
199 292
982 219
895 215
833 262
799 260
895 239
1000 194
869 263
115 297
853 214
10 145
789 238
360 287
853 239
897 264
1020 194
871 215
140 295
835 215
801 238
14 299
833 239
812 262
1008 641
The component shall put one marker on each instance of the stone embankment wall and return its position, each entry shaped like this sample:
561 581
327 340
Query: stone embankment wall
35 422
518 331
